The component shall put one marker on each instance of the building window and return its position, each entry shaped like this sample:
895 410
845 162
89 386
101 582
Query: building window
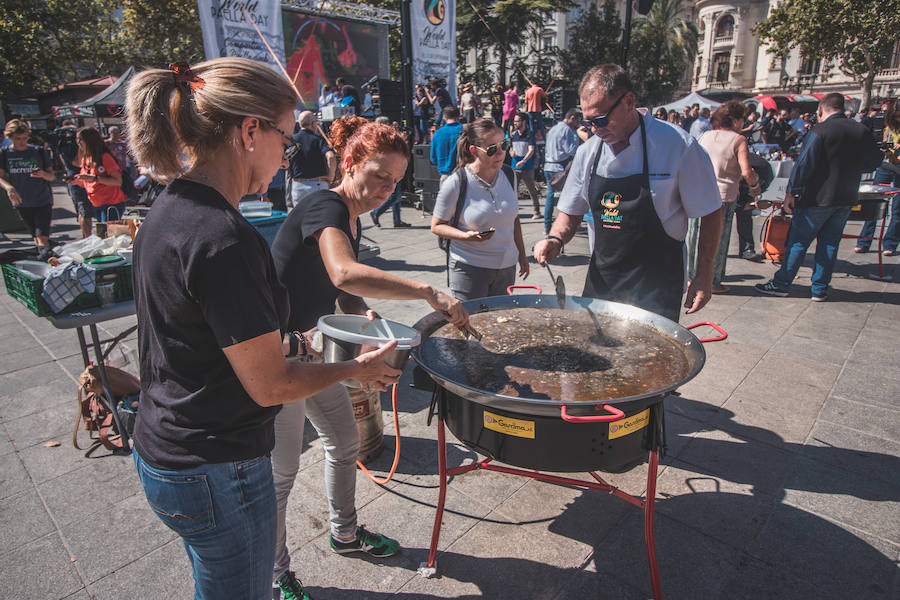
725 28
548 42
702 31
810 66
721 66
894 63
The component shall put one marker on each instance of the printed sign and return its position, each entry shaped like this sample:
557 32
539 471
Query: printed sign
508 425
433 25
623 427
230 29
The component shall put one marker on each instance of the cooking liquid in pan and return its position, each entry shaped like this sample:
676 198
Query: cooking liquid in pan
567 355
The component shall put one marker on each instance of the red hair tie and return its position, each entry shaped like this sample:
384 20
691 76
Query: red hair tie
183 74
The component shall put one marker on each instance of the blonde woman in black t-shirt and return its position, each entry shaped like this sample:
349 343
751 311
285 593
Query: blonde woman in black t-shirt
211 315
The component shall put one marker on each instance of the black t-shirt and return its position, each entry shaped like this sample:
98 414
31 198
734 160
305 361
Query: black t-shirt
18 165
443 98
298 260
203 280
777 131
310 161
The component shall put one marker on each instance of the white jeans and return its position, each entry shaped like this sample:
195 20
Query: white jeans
302 188
331 413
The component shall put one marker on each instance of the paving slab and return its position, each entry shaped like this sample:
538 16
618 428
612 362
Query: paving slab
38 571
864 417
162 574
93 488
852 499
805 545
853 451
14 478
24 520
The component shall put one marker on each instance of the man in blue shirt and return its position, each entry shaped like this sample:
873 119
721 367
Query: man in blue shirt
443 142
562 142
824 185
521 153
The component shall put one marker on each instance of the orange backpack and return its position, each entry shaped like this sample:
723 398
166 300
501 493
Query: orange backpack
773 237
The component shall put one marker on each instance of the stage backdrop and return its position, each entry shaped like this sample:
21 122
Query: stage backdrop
321 49
228 30
434 41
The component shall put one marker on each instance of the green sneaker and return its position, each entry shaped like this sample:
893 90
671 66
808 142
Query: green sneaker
366 541
289 588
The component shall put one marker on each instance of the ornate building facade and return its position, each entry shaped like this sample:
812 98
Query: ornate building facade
730 57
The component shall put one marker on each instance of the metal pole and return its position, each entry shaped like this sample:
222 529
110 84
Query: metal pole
626 34
406 58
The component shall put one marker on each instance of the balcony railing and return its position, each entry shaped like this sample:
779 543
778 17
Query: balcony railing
888 74
725 39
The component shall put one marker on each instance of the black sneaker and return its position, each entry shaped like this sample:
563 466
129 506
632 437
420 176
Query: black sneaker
288 587
751 256
366 541
770 289
402 224
375 219
819 297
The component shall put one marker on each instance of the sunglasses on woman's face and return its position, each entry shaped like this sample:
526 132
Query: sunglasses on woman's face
492 149
291 149
603 120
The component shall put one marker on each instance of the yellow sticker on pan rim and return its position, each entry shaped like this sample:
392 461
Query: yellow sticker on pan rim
623 427
508 425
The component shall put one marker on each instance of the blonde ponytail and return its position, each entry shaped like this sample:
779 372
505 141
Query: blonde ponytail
171 124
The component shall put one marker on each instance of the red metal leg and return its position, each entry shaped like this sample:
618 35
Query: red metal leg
649 502
442 495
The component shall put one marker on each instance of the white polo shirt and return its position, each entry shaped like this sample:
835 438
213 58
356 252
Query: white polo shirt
682 179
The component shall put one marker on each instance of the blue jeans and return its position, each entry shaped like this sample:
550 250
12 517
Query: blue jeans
225 515
722 251
825 224
393 202
536 123
109 212
549 201
892 234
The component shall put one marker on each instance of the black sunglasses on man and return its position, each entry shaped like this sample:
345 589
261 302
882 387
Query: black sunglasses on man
603 120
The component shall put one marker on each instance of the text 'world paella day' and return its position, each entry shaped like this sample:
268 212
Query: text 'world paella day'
237 12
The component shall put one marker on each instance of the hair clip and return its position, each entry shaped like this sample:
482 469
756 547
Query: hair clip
183 74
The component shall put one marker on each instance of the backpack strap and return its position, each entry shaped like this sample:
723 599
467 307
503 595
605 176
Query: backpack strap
511 176
454 222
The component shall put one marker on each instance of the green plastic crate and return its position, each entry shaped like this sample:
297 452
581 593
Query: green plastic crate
27 289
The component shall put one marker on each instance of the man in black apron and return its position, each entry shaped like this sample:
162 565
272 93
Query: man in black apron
635 260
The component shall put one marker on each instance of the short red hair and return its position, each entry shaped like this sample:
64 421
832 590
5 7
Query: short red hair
359 140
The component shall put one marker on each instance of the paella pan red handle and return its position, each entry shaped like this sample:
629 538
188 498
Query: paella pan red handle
509 290
722 332
614 415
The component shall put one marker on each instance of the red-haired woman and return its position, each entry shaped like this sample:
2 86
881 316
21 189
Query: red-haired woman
315 256
100 176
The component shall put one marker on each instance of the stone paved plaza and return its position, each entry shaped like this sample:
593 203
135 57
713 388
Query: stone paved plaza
782 477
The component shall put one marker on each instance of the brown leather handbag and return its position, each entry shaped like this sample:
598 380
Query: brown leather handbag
94 413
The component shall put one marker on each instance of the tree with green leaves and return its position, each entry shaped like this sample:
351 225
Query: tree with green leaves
663 46
501 24
856 35
54 41
154 34
593 39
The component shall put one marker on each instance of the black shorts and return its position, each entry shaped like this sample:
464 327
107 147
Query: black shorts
37 218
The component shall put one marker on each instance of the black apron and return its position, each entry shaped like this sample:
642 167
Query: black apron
634 261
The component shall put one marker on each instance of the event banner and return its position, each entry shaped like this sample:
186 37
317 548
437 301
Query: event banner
228 29
434 41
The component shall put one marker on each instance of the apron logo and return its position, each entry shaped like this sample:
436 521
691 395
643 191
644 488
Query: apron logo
611 218
611 200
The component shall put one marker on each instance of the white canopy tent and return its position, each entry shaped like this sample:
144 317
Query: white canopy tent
690 99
